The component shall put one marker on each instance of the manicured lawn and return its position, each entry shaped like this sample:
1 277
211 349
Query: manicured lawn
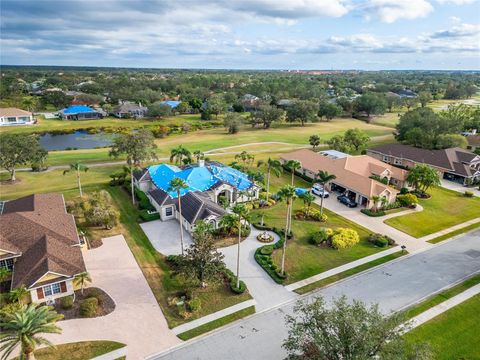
350 272
187 335
444 209
83 350
455 233
453 334
442 296
303 259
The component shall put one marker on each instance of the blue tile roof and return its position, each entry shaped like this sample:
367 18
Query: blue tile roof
198 178
173 104
76 109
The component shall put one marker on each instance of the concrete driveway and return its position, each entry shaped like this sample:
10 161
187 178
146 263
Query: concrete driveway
165 236
137 319
394 285
459 188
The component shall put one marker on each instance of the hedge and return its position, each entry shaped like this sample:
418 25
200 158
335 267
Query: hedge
146 216
371 213
143 201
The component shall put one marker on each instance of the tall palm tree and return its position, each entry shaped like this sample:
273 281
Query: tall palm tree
293 165
198 155
77 167
308 199
180 155
18 294
287 193
242 212
178 185
375 199
23 328
272 165
129 170
323 177
82 279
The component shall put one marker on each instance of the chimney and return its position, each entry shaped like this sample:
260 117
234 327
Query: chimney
474 131
201 163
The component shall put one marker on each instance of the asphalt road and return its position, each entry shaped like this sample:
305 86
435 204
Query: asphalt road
393 286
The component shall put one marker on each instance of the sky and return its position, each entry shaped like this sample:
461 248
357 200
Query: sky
243 34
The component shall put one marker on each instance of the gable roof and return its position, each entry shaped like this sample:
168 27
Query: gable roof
127 107
38 228
352 172
77 109
172 103
197 207
5 112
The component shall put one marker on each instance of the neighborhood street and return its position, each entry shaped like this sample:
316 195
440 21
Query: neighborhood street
393 286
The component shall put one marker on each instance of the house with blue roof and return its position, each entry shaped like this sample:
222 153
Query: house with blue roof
79 112
172 103
212 187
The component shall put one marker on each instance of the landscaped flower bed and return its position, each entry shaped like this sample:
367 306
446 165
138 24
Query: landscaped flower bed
265 237
94 302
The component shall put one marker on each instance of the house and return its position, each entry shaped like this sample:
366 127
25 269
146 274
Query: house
79 112
359 177
473 142
127 109
285 103
405 93
14 116
250 102
455 164
211 186
39 243
172 103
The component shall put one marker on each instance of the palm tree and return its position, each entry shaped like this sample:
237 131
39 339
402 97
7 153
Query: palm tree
375 199
178 185
242 212
23 328
287 193
272 165
198 155
82 279
323 177
18 294
180 155
293 165
307 198
129 170
77 167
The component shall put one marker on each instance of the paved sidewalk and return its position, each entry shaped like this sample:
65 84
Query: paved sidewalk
449 230
211 317
444 306
341 268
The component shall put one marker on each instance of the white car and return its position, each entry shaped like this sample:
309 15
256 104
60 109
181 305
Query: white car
317 189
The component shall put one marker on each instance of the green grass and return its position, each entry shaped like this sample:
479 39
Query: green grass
82 350
455 233
187 335
441 297
444 209
334 278
453 334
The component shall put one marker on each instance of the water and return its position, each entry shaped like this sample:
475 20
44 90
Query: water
78 140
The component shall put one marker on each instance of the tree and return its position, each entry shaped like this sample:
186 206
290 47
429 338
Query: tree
233 122
138 147
77 167
338 143
293 165
17 150
180 155
99 211
18 294
56 98
323 178
24 328
195 104
410 102
314 140
446 141
202 260
246 158
31 103
392 102
329 110
308 198
286 193
424 97
346 104
269 114
274 166
303 111
242 212
422 177
356 138
198 155
82 279
159 110
177 185
343 331
370 103
216 105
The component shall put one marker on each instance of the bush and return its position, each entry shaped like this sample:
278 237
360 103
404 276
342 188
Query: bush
266 250
380 240
233 286
344 238
97 294
194 305
89 307
66 302
319 237
143 202
407 200
9 309
404 190
146 216
468 194
372 213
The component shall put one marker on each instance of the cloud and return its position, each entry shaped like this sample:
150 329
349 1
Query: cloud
390 11
462 30
456 2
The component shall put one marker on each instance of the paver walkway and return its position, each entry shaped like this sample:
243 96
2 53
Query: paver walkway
137 319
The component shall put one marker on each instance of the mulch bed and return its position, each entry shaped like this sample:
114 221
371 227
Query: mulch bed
105 304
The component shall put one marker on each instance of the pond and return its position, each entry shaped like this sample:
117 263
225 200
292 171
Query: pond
77 140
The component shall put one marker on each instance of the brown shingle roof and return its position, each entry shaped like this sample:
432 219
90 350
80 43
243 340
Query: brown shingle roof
38 228
473 140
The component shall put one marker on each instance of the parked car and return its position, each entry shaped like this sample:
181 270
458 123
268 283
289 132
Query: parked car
347 201
320 191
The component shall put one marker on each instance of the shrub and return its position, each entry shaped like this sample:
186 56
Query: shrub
468 194
380 240
404 190
344 238
89 307
97 294
194 305
143 202
407 200
319 237
266 250
66 302
233 286
146 216
372 213
314 214
9 309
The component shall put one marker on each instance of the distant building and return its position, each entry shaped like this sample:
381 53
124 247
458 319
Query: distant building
250 102
473 142
79 112
128 109
407 93
14 116
172 103
285 103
